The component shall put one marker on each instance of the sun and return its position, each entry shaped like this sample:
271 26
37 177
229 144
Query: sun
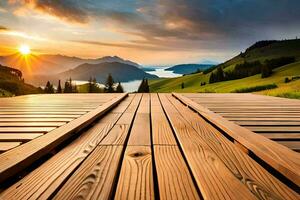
24 49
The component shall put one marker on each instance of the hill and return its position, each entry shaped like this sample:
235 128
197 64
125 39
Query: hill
12 83
264 50
120 72
188 68
41 64
260 51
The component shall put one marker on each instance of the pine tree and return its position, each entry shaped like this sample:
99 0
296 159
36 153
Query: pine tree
265 71
49 88
68 86
59 89
220 74
119 88
109 84
90 86
141 87
146 86
212 78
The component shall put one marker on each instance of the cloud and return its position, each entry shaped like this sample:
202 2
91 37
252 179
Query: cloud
66 10
3 28
150 47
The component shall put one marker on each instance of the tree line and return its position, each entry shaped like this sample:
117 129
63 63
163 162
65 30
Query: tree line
247 69
92 86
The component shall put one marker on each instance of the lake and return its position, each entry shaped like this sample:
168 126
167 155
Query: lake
132 86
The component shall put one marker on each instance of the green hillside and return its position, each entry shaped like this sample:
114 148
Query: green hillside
264 50
192 83
12 83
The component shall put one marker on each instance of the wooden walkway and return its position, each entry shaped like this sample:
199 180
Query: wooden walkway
139 146
275 118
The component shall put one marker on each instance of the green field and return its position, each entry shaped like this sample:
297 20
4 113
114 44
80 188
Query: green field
192 83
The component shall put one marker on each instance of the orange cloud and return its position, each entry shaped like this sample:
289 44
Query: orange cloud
64 10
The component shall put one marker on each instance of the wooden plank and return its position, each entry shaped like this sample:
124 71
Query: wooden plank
31 124
11 162
41 113
5 146
282 136
295 145
140 133
117 135
282 159
174 179
23 119
136 176
268 123
256 119
263 184
19 137
95 178
55 171
25 129
278 129
38 116
212 175
161 130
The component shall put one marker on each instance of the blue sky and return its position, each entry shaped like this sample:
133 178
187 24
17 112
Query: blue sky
148 32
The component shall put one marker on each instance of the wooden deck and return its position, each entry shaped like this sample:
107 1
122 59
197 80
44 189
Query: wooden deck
275 118
149 146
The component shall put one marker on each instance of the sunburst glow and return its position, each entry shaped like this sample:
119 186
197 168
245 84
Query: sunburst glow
24 49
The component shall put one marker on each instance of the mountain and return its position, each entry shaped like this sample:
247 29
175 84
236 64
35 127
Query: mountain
120 72
260 51
12 83
53 64
188 68
266 49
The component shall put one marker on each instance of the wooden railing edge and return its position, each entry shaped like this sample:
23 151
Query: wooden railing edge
282 159
17 159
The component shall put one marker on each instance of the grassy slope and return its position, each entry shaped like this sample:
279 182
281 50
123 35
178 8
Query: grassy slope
279 49
22 87
192 83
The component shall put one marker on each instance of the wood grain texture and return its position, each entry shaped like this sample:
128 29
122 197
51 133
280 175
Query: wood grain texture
174 179
136 176
51 174
279 157
140 132
116 135
31 124
161 131
25 129
4 146
214 179
24 119
258 180
94 179
17 159
18 137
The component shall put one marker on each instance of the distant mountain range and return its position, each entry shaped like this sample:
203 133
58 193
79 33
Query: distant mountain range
188 68
53 64
121 72
38 69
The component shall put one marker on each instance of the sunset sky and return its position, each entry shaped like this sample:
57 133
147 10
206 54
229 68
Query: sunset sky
149 32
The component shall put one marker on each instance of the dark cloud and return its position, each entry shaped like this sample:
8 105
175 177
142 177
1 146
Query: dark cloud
3 28
160 22
67 10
